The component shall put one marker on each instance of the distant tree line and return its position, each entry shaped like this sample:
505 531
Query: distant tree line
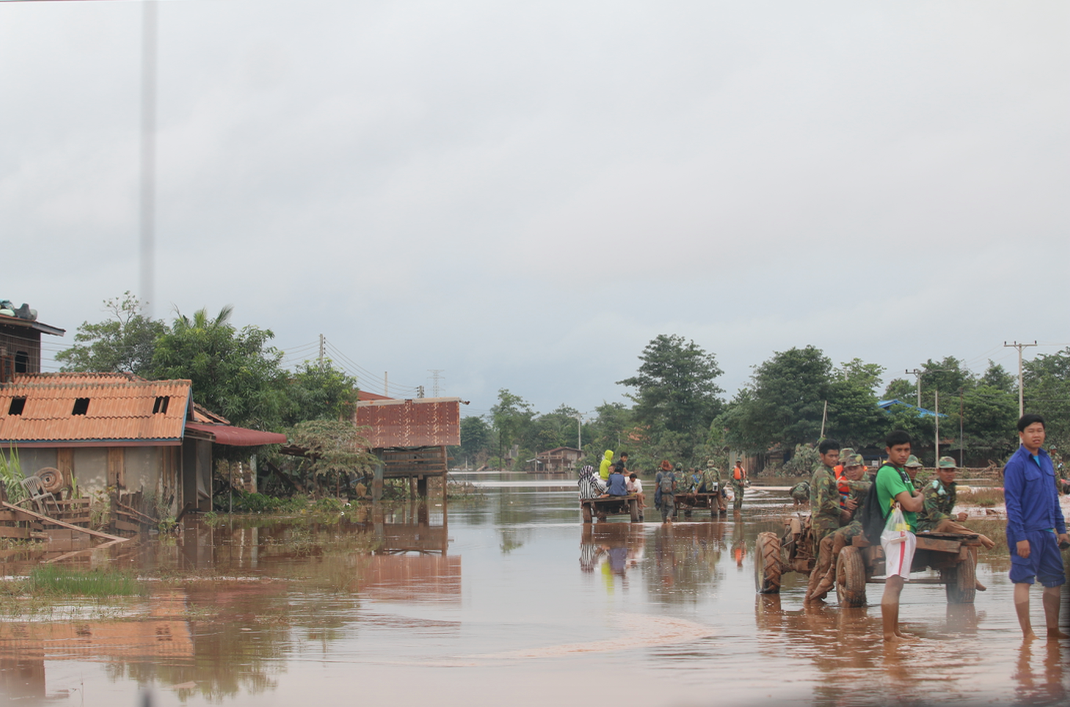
791 399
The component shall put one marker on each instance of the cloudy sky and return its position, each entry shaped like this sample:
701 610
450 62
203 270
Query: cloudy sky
524 194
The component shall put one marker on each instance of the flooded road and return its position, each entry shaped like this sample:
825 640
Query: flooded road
508 600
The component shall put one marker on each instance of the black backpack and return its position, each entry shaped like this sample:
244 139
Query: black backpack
873 516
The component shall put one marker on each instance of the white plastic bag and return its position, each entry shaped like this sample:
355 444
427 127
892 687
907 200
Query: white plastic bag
896 528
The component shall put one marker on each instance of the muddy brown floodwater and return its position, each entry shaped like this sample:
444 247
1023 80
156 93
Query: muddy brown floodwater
513 601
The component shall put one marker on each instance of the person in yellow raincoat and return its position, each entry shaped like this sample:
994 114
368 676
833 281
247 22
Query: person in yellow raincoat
603 468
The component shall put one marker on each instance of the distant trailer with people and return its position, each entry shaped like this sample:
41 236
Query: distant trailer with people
715 503
604 506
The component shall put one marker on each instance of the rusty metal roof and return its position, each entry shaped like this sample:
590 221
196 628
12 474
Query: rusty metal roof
423 422
119 410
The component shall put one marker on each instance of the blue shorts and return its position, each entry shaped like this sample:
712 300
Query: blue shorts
1045 562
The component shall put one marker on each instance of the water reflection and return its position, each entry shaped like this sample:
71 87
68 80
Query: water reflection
231 604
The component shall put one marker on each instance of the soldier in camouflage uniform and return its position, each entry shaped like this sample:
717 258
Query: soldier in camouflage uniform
913 466
713 481
938 514
825 511
800 493
854 468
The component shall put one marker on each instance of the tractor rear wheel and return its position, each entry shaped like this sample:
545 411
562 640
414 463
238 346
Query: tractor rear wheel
960 581
767 568
851 577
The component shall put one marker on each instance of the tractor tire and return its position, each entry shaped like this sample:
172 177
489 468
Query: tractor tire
960 581
587 513
633 507
851 577
767 567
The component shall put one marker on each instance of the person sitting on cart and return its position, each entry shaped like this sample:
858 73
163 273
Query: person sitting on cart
616 486
938 514
854 468
635 485
590 484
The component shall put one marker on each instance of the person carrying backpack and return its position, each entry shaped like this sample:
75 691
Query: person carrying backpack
666 487
895 487
739 479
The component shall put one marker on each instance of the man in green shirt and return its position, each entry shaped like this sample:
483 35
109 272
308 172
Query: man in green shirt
894 486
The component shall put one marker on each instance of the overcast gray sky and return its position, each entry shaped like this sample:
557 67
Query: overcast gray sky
523 195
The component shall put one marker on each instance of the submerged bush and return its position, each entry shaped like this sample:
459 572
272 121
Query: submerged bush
63 581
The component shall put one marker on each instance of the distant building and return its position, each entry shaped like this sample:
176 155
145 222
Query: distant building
20 345
558 460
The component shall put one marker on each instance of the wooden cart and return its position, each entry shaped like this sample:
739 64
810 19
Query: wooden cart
861 563
604 507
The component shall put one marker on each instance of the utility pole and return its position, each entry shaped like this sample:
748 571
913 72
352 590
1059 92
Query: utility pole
1021 391
962 438
148 155
936 416
386 383
824 417
579 431
435 377
321 352
917 374
420 391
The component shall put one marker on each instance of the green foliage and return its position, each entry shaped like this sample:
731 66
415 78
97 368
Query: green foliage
124 343
1047 392
320 392
475 436
784 402
11 475
335 452
234 373
55 580
675 385
804 461
511 416
675 398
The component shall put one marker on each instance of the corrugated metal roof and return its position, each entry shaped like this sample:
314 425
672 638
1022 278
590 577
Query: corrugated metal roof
120 408
423 422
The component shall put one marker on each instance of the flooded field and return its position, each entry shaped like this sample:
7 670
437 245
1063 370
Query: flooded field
506 600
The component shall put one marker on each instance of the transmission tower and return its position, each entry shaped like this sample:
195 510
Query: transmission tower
436 375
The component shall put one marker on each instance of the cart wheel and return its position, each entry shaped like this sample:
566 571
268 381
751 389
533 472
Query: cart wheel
586 513
767 564
851 577
633 506
960 581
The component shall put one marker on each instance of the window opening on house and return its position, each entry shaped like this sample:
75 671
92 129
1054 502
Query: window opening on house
160 406
81 406
17 406
22 362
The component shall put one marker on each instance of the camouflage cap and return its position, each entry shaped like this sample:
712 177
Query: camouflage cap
846 452
710 463
679 466
852 460
913 461
947 463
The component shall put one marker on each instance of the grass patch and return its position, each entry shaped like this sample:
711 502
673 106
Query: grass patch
52 580
984 497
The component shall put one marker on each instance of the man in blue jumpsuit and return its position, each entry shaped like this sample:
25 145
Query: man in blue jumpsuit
1035 526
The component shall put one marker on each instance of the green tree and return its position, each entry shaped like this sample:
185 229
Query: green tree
1046 384
475 437
853 416
512 416
675 385
784 402
234 373
554 429
123 343
320 392
335 453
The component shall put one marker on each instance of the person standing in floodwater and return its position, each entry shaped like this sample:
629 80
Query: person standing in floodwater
666 487
1035 526
894 486
739 479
